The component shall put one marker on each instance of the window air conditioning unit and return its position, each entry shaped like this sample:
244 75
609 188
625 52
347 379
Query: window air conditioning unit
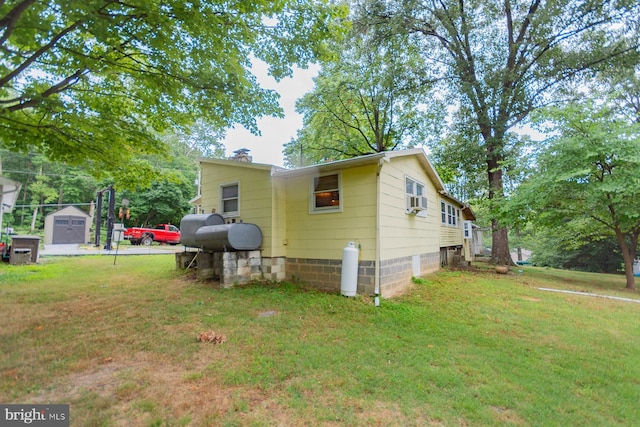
417 203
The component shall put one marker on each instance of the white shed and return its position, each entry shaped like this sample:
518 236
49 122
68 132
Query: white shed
66 226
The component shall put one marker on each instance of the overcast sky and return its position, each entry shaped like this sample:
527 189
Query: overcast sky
267 148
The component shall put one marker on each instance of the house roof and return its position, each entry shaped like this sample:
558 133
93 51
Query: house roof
419 153
468 213
452 198
237 163
336 165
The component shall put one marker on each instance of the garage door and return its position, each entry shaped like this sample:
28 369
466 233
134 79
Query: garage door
69 229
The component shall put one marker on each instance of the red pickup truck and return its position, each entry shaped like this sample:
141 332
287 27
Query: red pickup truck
162 233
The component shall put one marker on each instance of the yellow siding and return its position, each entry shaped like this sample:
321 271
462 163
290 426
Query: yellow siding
450 235
279 220
279 205
255 197
324 235
405 234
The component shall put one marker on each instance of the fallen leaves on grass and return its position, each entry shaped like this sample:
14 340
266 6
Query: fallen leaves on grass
212 337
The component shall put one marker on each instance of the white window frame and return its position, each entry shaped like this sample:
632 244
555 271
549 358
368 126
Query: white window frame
312 194
450 215
467 229
415 184
221 200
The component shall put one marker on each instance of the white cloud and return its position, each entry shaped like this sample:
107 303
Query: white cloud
276 132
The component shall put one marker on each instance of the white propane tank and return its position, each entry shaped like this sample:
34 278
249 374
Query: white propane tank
349 282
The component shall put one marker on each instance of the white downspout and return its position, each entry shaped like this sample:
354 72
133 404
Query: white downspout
376 281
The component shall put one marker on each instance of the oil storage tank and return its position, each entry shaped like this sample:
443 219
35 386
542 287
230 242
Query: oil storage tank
192 222
209 232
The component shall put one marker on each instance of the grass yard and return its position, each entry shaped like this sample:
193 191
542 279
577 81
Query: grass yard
118 343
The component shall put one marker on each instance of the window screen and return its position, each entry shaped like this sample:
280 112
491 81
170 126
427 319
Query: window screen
326 191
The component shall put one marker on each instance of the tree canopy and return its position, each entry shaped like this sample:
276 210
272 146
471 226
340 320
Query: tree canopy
49 186
502 60
94 82
589 173
370 98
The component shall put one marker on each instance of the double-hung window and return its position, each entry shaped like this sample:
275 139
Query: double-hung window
229 199
450 215
325 193
415 197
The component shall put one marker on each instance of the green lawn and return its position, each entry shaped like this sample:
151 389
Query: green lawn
118 343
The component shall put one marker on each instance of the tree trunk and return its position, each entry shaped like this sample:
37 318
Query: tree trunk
33 219
628 258
500 254
628 271
24 199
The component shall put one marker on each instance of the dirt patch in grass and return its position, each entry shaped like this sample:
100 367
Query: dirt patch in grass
140 389
142 384
507 416
16 318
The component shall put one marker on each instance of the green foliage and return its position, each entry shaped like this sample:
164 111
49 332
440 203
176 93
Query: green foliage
94 82
41 192
419 280
201 139
166 200
370 98
467 179
591 169
50 186
45 185
499 61
567 248
503 60
588 179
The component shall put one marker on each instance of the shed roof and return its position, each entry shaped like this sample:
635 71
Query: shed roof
69 210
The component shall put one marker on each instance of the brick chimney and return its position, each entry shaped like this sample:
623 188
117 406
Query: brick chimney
242 155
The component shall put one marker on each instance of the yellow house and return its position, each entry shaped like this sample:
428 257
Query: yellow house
393 205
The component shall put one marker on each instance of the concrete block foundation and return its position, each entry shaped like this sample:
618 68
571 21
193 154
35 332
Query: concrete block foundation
229 268
241 267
